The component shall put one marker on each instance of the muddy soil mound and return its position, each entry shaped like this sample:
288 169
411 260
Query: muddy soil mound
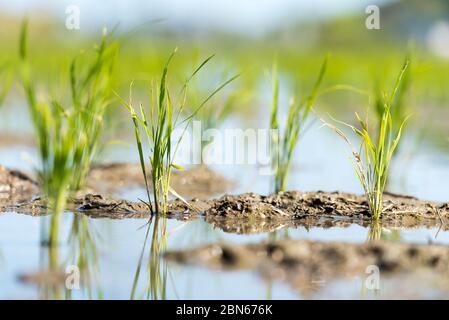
13 139
253 213
248 213
197 182
304 264
98 206
15 187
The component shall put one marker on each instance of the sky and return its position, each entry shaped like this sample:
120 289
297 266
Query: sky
247 16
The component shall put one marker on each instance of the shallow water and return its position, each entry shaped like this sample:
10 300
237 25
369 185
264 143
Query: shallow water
321 164
118 244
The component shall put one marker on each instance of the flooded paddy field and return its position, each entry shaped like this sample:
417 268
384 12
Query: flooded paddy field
293 245
283 150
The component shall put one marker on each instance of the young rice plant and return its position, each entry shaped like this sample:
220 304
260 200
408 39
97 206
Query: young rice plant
6 77
298 113
372 165
223 107
398 106
158 124
68 132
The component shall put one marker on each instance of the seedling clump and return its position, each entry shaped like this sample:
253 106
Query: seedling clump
68 132
372 164
158 124
298 113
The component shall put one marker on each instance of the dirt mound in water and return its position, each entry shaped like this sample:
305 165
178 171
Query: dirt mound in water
252 213
15 187
245 213
98 206
197 182
306 265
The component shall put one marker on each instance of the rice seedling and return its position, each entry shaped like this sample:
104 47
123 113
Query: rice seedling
298 113
212 118
372 165
6 77
165 116
68 137
223 107
399 106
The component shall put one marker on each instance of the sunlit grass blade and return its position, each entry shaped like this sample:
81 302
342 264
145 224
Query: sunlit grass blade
282 146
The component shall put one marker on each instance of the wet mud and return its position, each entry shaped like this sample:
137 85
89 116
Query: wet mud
15 187
307 265
251 213
244 214
13 139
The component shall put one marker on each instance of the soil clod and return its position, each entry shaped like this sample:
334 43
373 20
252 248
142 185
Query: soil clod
15 187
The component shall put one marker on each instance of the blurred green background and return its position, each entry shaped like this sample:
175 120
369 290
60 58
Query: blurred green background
246 37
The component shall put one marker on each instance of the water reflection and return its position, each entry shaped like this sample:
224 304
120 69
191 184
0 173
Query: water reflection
50 275
57 259
76 269
113 265
83 253
155 285
377 232
273 236
50 278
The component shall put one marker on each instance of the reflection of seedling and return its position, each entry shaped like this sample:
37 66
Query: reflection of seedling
68 136
158 129
283 147
156 287
372 166
83 254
